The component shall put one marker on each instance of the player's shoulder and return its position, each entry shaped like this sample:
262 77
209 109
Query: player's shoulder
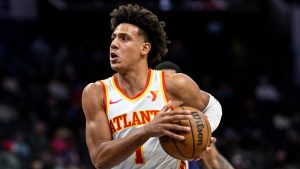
177 79
93 90
92 98
93 86
179 85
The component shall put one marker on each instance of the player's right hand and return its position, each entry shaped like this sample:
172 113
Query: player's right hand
164 123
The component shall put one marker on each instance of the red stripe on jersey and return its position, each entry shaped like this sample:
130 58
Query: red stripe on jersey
105 97
182 165
164 88
145 87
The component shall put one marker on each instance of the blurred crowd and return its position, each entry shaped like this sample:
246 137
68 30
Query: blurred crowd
42 125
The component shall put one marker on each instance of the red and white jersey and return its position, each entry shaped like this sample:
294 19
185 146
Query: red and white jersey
126 114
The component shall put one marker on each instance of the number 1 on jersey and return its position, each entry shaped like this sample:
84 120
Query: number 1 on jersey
139 156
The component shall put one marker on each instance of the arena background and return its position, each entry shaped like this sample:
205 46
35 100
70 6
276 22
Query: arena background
246 53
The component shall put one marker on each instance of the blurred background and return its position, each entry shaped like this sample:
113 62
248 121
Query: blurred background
245 52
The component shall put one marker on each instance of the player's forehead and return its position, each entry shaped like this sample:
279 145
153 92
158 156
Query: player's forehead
126 28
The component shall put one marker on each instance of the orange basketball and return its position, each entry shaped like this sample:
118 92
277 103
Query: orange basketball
195 141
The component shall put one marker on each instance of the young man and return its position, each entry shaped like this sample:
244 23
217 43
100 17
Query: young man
212 159
126 113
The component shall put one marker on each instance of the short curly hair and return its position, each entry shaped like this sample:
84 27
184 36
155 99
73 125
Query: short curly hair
168 65
147 22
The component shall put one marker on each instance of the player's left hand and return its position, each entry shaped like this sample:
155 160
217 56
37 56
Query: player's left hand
208 148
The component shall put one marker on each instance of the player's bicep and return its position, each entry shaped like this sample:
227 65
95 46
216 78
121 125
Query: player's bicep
97 131
186 90
197 98
97 126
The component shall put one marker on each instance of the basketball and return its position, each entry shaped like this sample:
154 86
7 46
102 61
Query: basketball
195 141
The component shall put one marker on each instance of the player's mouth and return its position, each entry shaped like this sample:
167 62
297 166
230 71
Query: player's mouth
113 56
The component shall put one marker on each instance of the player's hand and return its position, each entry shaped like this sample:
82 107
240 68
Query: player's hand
208 148
164 124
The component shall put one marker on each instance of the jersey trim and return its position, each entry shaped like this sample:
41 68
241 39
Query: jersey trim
105 97
163 87
182 164
139 95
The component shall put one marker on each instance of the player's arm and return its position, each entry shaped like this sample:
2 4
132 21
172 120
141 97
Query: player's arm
185 92
215 160
105 152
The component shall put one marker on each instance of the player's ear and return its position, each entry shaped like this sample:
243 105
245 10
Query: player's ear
146 48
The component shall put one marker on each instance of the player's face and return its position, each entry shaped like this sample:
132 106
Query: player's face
126 46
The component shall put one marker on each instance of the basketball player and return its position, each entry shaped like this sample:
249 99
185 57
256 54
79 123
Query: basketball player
126 113
212 159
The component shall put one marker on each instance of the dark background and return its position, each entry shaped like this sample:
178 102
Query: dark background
240 51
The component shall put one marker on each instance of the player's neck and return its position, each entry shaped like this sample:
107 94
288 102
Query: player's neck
133 82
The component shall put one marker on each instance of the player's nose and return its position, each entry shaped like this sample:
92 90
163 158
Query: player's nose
113 44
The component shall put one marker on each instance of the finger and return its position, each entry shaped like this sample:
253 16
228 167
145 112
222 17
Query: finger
208 149
167 106
198 158
170 114
177 127
174 135
177 118
176 112
213 140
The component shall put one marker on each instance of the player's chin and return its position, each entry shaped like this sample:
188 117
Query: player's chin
115 67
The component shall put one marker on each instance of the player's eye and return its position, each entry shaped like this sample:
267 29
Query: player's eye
124 38
112 37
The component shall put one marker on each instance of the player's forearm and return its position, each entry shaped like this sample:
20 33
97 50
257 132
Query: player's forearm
222 163
111 153
218 163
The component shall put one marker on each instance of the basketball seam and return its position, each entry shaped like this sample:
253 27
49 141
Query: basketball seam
193 140
192 137
207 125
174 141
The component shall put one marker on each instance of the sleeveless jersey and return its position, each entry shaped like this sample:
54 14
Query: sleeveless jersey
126 114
